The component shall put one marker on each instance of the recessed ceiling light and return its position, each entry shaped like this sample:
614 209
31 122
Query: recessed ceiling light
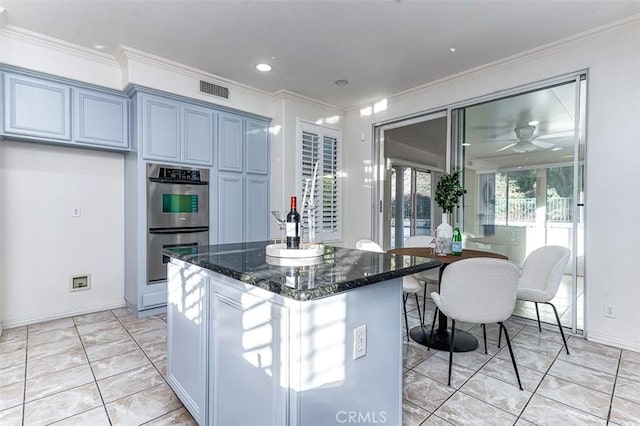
452 49
466 144
533 123
98 46
557 148
341 82
263 67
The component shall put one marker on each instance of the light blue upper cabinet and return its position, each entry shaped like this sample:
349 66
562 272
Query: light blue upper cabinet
100 119
230 141
257 147
176 131
160 128
197 135
36 108
256 201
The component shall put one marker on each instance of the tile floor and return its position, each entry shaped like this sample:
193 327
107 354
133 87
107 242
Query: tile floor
594 385
96 369
108 368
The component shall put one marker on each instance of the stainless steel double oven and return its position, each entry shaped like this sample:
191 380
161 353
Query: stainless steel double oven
177 213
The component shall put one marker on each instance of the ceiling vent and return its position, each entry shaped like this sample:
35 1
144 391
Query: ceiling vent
214 89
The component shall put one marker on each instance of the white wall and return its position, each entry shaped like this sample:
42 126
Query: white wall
612 161
293 110
57 248
43 245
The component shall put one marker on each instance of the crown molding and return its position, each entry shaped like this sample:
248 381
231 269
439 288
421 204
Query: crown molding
125 54
510 60
32 37
284 94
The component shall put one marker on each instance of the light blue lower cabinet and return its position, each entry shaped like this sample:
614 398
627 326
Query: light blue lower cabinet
271 360
256 210
187 319
230 207
248 354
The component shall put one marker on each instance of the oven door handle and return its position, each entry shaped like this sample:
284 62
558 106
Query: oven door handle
179 181
178 230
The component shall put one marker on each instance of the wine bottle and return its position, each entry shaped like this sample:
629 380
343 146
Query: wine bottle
456 243
293 226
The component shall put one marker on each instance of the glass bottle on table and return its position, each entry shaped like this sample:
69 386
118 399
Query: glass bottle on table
456 241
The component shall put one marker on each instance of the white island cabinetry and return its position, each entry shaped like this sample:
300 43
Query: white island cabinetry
250 343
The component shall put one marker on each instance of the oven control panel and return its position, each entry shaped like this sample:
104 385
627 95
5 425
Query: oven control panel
169 173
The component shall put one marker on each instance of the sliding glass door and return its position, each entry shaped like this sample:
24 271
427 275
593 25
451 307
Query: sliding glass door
410 203
523 162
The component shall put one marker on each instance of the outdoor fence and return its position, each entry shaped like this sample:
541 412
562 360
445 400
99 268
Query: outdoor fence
524 210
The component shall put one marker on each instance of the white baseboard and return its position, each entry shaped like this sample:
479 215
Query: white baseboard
608 340
5 325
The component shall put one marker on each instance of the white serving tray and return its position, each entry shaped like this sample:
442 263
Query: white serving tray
303 261
305 251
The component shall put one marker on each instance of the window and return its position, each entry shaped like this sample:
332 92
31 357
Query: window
321 146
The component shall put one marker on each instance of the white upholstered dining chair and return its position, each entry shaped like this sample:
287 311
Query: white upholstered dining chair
410 284
430 277
540 278
481 291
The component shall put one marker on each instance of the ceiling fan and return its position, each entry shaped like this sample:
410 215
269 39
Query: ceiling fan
526 141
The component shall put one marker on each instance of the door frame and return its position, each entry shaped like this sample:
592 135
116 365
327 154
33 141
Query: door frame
386 208
455 157
382 165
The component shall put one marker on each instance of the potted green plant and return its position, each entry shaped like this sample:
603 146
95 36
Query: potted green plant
449 190
448 193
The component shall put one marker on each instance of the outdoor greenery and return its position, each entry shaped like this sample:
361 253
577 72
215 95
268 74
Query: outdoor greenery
449 190
522 194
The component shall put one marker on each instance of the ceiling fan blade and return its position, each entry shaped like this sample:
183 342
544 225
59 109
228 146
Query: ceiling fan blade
555 135
501 140
507 147
541 144
524 147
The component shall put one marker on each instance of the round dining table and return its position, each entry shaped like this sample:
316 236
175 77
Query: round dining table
463 341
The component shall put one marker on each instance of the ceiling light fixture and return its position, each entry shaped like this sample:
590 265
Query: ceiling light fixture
98 46
533 123
263 67
452 49
341 82
466 144
557 148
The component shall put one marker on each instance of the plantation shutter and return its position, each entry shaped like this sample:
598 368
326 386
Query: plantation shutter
321 145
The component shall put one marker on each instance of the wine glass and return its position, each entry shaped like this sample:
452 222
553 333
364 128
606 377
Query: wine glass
433 243
281 219
441 240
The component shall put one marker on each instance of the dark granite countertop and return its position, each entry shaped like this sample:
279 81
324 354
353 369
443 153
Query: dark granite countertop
338 270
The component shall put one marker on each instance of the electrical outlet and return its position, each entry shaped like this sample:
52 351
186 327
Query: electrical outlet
609 311
359 341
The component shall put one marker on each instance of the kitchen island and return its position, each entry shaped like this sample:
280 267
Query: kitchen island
260 340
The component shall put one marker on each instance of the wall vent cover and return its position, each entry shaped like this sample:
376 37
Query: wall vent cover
214 89
80 282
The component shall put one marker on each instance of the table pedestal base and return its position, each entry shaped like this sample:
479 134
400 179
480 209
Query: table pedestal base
464 342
